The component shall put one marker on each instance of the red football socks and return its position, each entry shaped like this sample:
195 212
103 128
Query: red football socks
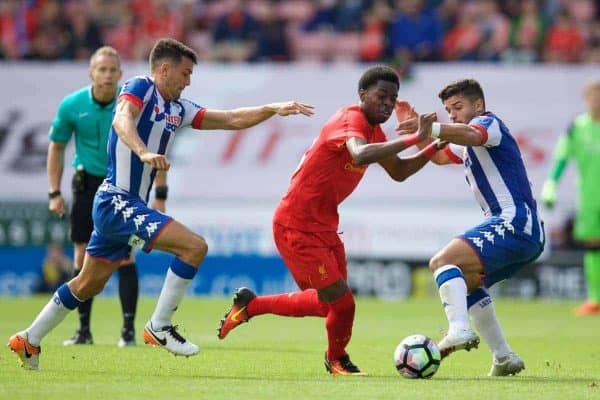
339 326
295 304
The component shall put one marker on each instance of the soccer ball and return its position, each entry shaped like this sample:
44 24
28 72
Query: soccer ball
417 356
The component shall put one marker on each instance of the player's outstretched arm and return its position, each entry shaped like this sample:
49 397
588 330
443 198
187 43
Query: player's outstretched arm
408 123
124 124
366 153
457 133
399 169
246 117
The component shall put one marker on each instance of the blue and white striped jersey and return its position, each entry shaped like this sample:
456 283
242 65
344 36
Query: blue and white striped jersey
156 124
496 174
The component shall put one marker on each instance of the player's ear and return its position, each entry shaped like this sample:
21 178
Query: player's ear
164 69
361 94
479 107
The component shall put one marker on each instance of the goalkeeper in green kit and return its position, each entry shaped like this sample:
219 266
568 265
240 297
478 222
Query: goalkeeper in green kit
582 143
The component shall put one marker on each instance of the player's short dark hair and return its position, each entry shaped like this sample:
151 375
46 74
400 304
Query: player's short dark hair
378 73
469 88
171 50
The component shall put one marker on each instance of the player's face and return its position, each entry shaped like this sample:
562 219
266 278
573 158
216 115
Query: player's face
461 109
178 77
592 98
377 102
105 72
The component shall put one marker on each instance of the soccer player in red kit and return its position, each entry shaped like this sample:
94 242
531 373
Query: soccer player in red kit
305 224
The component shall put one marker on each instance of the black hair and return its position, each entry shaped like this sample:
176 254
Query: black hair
172 50
469 88
378 73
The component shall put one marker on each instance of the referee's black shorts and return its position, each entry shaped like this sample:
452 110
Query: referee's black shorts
84 188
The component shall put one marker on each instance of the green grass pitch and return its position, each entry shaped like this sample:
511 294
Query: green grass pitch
281 358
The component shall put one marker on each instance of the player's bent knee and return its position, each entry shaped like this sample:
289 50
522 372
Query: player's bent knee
85 289
333 292
437 261
195 251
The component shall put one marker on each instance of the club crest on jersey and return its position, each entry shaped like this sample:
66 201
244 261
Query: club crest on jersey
322 271
359 169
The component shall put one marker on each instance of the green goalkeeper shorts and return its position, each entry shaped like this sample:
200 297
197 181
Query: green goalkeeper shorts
587 224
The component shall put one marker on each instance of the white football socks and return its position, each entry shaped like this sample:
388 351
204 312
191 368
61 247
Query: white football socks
171 295
485 321
51 315
453 293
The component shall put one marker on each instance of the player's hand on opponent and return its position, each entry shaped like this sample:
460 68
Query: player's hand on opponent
156 161
424 127
440 144
57 205
291 108
406 116
404 110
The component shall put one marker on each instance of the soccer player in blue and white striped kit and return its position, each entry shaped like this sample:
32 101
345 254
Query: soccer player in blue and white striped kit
510 237
148 114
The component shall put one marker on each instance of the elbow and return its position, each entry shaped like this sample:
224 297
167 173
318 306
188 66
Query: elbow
360 161
360 158
237 124
119 125
399 177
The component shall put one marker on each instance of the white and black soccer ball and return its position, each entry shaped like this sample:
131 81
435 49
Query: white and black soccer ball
417 356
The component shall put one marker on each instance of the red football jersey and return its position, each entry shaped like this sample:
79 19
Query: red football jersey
326 174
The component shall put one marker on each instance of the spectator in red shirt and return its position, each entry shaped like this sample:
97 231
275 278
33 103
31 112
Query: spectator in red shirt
565 42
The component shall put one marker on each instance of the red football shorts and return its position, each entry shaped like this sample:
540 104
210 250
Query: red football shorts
315 259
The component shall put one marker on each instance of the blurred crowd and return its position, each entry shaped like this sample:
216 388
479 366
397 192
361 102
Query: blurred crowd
395 31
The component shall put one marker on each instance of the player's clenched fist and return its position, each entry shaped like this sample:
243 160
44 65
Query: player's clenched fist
292 108
157 161
425 121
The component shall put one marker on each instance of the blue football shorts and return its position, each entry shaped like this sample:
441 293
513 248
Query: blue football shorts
122 221
502 249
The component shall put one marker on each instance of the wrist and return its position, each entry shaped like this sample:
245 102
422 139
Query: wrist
53 194
410 140
141 151
430 150
436 127
271 108
161 192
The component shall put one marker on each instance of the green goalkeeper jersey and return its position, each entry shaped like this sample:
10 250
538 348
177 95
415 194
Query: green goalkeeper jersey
582 144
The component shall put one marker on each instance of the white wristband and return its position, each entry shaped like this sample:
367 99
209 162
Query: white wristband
435 130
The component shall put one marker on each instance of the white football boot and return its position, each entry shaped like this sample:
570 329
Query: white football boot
170 339
509 365
463 339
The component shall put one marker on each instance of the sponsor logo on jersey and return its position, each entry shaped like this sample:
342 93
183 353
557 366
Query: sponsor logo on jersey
136 241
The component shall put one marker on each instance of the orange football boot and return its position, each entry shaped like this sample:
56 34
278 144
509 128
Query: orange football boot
28 353
342 366
588 308
237 314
